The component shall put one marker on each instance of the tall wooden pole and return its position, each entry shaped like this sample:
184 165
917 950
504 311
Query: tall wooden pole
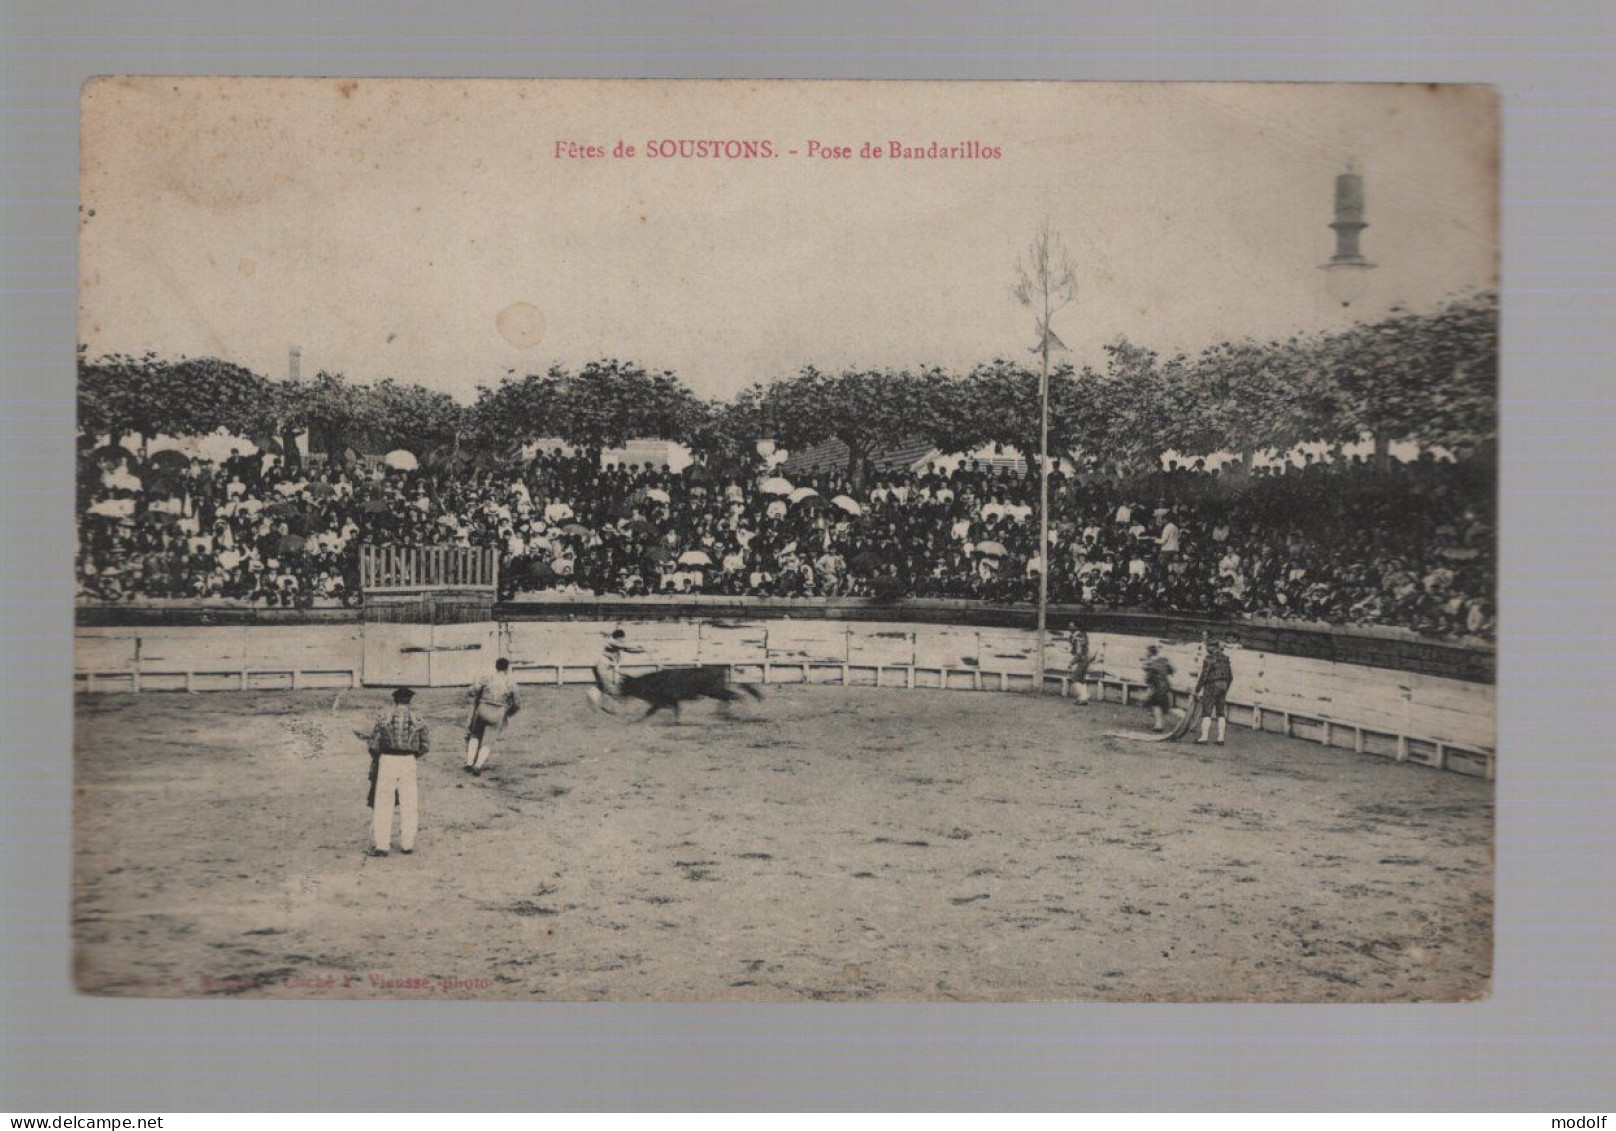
1035 280
1043 498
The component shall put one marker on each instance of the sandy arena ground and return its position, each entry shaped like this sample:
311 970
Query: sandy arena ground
826 844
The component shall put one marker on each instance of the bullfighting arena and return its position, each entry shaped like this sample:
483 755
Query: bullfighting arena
828 843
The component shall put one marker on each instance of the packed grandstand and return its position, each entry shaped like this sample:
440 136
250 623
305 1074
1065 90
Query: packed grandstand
1351 541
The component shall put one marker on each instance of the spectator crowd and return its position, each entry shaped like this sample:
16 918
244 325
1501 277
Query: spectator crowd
1344 542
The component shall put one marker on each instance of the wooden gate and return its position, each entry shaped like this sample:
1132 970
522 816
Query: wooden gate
462 653
397 654
429 640
426 569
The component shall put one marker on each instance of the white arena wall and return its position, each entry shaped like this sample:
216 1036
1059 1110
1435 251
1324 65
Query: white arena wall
1407 716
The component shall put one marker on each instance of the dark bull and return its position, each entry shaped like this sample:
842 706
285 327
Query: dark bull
673 686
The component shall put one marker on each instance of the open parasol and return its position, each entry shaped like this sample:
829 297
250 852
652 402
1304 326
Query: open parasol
169 460
111 451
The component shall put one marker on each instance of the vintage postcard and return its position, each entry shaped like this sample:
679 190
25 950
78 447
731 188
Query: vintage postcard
780 541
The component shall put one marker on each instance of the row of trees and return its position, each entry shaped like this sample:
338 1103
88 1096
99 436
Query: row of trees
150 396
1429 378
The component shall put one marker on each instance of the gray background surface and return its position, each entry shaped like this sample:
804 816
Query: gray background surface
1545 1041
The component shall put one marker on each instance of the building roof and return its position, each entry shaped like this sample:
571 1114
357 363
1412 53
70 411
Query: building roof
908 454
832 456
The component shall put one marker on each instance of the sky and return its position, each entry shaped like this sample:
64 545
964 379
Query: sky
427 231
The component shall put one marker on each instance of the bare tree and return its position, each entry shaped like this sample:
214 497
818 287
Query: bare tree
1046 279
1045 282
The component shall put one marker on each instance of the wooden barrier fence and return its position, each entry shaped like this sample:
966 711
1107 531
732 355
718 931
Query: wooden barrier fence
1388 713
214 679
1326 731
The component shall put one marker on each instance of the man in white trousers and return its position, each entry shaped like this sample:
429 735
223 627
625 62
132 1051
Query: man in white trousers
396 742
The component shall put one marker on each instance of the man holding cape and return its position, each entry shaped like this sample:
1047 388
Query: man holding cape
493 702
